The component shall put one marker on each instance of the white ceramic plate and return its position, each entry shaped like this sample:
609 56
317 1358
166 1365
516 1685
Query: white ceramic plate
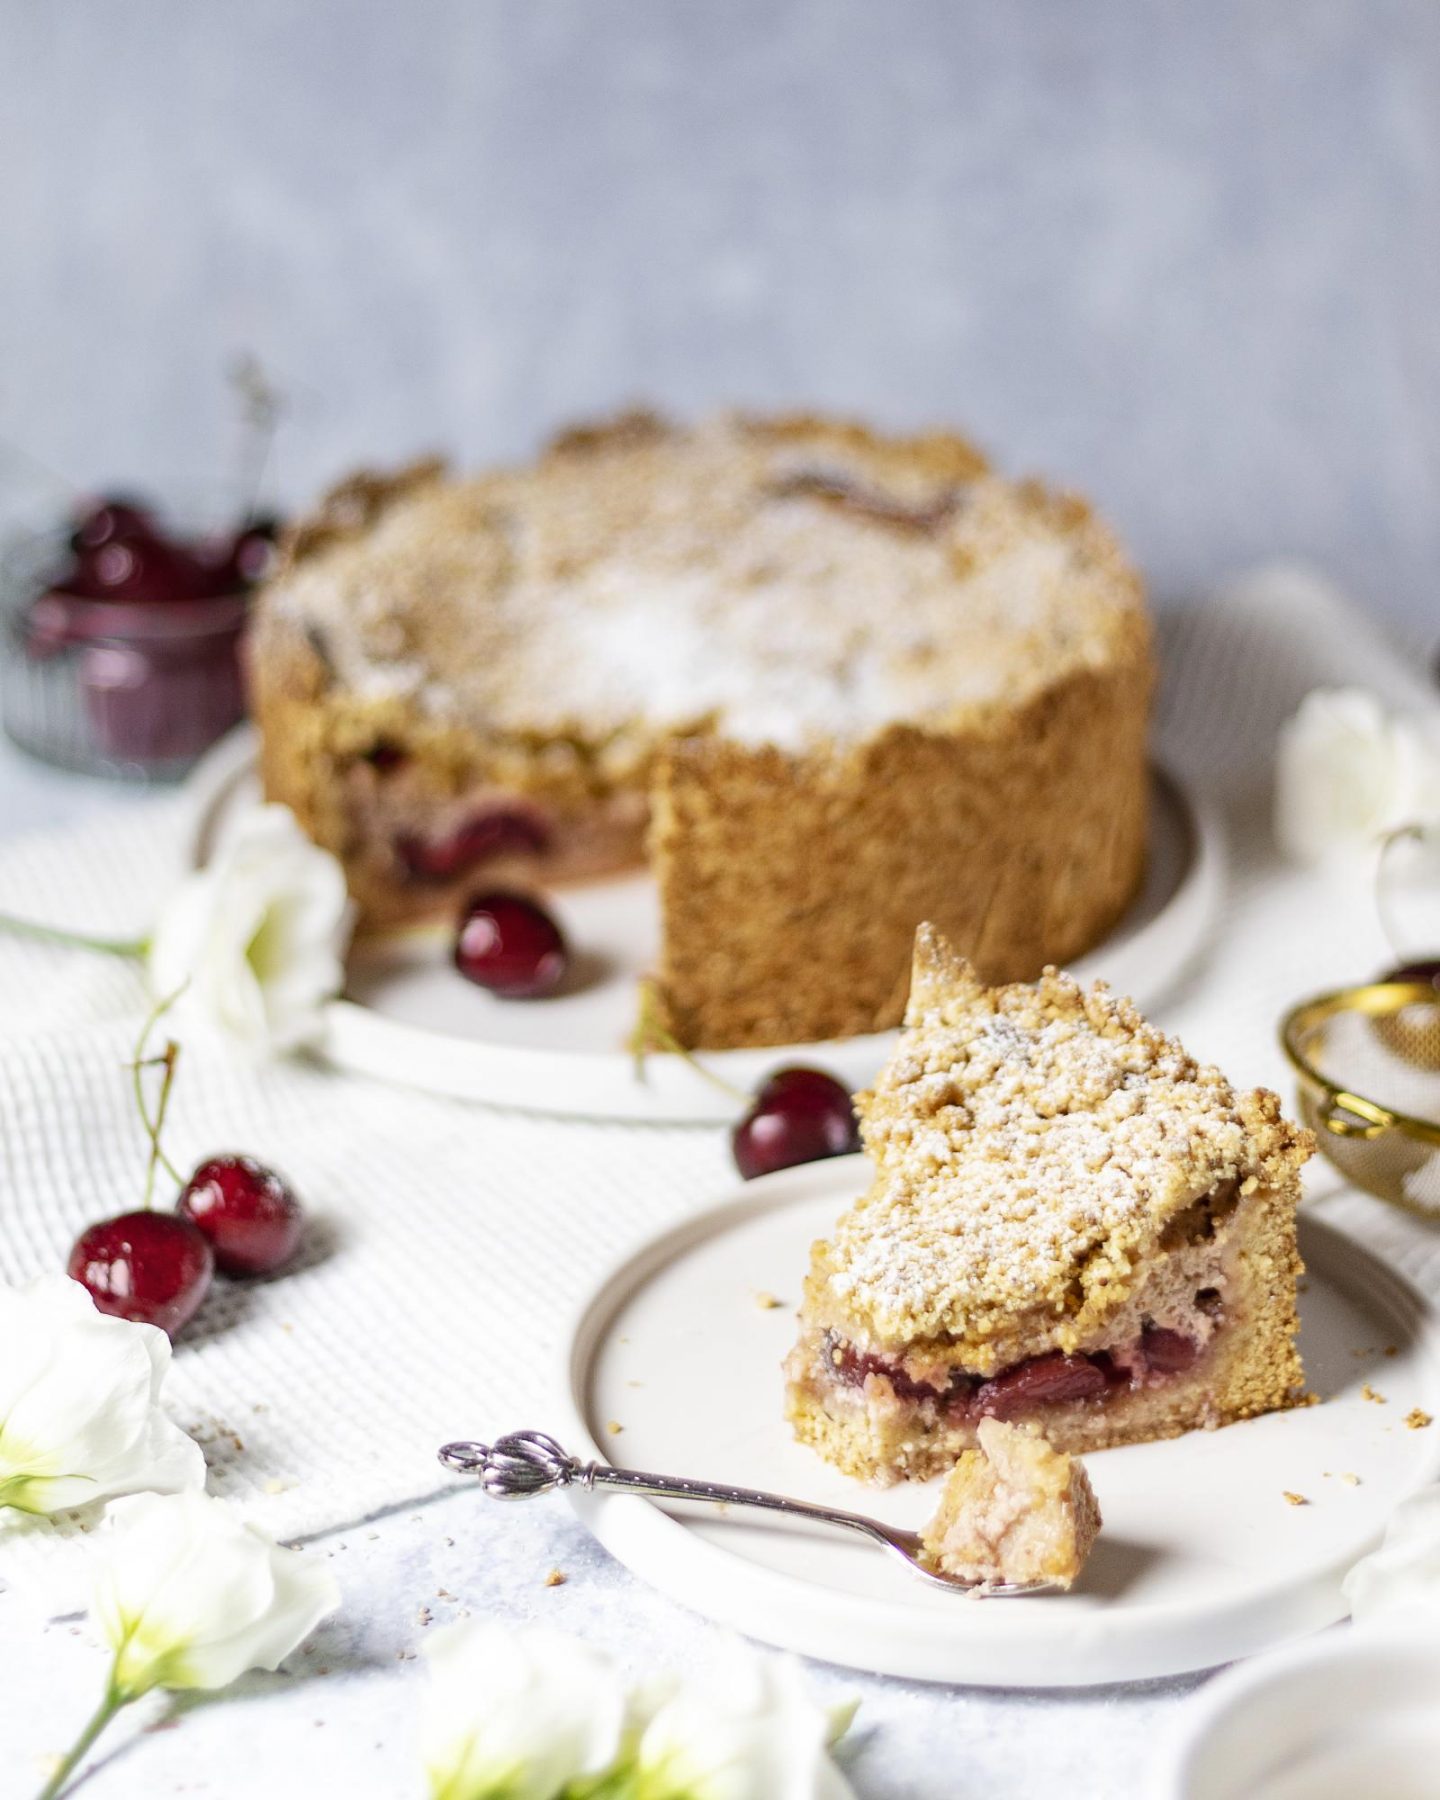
1352 1713
1202 1558
408 1017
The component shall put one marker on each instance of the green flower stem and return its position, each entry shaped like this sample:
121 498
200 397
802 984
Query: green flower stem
650 1035
167 1062
110 1705
78 940
157 1155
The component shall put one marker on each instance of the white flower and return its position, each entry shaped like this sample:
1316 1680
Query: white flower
80 1418
517 1715
1347 772
750 1732
189 1596
255 939
1401 1580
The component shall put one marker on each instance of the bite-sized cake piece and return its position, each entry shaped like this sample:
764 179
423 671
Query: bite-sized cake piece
1071 1222
1014 1509
827 683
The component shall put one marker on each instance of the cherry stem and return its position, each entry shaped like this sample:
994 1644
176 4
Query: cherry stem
260 404
651 1034
79 940
167 1061
110 1704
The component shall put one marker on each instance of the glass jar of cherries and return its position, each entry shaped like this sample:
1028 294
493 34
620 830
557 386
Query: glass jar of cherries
120 637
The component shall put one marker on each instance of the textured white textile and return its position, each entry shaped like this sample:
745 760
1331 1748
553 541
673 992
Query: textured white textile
450 1241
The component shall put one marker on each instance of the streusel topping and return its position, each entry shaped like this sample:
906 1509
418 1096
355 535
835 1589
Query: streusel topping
1031 1144
791 581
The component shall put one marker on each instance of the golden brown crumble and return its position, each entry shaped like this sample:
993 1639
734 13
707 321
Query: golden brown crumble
1031 1145
726 573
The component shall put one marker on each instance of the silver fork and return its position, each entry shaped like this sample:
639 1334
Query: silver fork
524 1463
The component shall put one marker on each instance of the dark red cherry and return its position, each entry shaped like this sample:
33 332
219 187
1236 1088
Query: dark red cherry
800 1115
150 1266
249 1215
1427 970
1054 1379
113 517
229 562
129 569
510 944
255 548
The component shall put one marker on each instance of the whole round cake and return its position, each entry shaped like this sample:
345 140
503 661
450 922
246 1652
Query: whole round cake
827 684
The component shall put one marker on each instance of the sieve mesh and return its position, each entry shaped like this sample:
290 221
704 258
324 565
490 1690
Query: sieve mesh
1368 1062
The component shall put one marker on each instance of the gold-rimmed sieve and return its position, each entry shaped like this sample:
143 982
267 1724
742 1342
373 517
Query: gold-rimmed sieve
1367 1061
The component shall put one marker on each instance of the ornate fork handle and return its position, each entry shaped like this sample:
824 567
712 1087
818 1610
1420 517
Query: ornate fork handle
528 1462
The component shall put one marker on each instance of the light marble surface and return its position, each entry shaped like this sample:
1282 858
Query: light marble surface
341 1719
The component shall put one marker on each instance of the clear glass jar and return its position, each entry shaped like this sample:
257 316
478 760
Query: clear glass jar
134 688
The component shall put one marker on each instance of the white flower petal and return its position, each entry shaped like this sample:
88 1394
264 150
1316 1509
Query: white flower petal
750 1733
255 941
516 1715
80 1418
1347 772
190 1596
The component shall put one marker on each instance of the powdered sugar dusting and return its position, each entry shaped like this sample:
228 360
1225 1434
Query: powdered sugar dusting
683 579
1031 1143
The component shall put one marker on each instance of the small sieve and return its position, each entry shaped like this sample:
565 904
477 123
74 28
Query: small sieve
1368 1065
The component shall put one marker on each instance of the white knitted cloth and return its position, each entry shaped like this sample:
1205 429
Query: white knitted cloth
448 1240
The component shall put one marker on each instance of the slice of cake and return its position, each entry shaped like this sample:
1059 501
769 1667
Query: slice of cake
1014 1509
825 683
1071 1223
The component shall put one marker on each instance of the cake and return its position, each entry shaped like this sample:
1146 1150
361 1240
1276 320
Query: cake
1013 1510
1071 1223
825 683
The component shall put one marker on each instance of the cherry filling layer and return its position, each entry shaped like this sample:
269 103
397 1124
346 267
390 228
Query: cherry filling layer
506 828
1054 1379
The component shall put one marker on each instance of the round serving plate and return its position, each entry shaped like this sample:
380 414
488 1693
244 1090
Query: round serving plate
406 1016
1203 1558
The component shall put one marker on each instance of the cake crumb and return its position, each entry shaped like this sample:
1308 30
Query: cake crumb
1368 1393
768 1302
556 1578
1417 1419
1350 1479
1295 1499
614 1427
1391 1350
274 1485
422 1615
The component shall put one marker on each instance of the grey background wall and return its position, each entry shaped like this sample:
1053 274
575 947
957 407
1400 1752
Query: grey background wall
1184 256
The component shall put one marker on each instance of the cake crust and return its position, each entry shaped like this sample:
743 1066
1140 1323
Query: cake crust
1013 1509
